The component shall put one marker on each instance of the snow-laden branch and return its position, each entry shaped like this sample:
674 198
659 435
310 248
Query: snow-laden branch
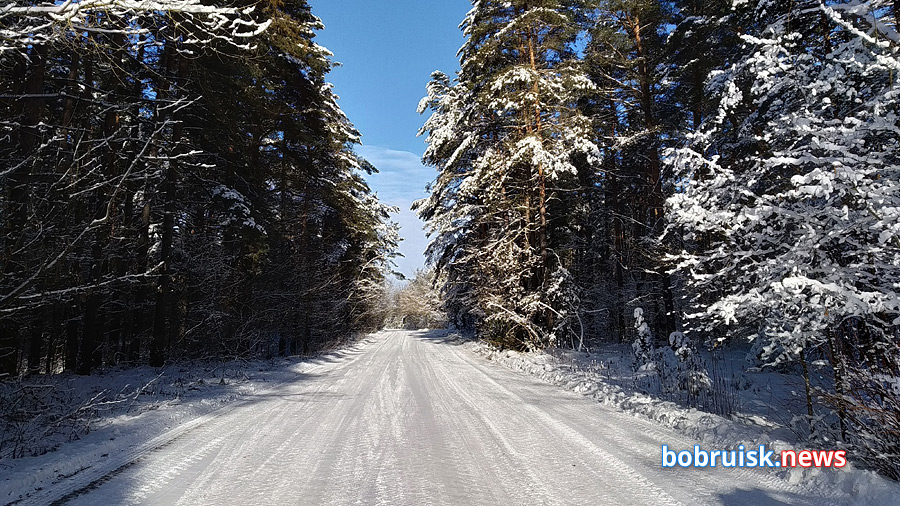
198 22
16 293
792 205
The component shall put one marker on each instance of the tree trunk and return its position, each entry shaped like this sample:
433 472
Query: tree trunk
159 339
646 100
838 367
544 273
71 347
69 107
17 207
808 389
90 335
35 346
654 173
162 312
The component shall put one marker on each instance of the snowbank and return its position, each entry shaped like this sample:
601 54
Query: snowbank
565 369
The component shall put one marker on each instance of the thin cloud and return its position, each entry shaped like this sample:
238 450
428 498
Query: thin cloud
413 244
402 177
401 180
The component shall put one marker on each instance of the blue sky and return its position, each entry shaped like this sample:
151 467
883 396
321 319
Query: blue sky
388 49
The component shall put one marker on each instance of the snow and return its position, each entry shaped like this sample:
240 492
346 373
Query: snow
606 378
411 418
225 24
144 408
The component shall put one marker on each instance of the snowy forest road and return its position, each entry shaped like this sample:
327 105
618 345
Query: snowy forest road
413 419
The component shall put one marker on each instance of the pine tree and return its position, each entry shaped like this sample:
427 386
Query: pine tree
177 183
791 195
625 57
504 137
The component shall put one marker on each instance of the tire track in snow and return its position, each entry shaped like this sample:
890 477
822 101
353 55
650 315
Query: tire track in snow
532 418
95 476
415 420
640 440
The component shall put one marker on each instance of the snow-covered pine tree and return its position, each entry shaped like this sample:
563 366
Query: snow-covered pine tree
81 140
624 57
790 202
177 181
503 137
452 214
317 272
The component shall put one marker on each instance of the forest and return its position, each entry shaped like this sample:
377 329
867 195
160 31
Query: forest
178 182
687 176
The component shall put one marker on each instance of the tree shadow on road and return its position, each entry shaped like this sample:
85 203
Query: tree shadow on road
441 336
760 497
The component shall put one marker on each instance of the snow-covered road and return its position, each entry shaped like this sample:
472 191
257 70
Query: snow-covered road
413 419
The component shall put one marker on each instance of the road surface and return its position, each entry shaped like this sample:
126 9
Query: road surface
412 419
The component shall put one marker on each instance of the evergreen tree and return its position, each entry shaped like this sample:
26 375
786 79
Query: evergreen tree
504 137
177 183
625 57
791 196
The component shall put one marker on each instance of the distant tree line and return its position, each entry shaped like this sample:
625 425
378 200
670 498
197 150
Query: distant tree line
731 169
177 181
416 303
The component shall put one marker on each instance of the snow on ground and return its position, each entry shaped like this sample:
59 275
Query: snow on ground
120 412
410 418
760 404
